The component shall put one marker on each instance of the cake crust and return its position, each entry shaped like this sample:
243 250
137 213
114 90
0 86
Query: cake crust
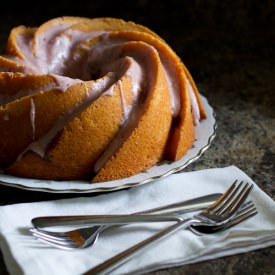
98 99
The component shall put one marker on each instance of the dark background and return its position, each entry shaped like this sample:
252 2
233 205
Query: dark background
212 37
229 48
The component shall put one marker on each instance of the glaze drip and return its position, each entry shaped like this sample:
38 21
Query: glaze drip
123 103
32 118
99 87
194 104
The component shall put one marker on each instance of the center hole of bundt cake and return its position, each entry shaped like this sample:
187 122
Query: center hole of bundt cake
94 62
84 68
76 72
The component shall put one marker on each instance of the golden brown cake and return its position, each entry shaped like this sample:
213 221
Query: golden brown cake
98 99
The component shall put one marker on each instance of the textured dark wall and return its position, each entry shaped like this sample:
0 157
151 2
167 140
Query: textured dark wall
200 31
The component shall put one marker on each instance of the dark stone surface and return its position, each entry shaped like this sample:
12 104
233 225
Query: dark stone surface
229 49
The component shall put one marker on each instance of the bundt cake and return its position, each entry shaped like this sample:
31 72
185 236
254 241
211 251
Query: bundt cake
98 99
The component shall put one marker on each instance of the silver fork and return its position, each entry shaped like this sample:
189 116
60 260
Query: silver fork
247 210
83 237
219 213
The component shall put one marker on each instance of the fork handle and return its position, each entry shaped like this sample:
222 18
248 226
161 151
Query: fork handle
121 258
194 204
104 220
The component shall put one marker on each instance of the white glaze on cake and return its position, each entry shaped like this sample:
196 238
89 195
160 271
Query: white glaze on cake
57 51
32 118
40 145
194 103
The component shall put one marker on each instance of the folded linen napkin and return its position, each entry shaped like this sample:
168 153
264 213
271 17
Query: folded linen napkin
23 254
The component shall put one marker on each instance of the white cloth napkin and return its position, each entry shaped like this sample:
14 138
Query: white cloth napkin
23 254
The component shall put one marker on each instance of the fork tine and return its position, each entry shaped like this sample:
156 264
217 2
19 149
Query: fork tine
247 210
224 196
241 198
59 243
61 246
247 213
246 206
52 235
51 238
229 196
235 203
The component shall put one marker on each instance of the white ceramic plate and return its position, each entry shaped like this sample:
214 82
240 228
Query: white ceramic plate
205 133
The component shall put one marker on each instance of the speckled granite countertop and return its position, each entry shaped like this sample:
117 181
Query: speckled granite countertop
229 49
